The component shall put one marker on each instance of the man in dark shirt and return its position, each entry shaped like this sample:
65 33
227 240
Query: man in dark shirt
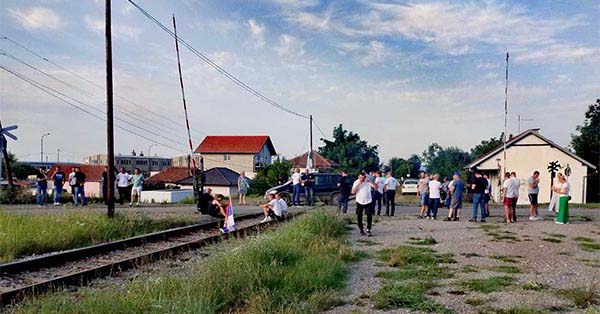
204 201
308 179
59 178
42 186
479 186
79 187
345 185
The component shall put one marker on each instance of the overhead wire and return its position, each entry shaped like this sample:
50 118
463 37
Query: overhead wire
31 51
123 111
58 95
215 66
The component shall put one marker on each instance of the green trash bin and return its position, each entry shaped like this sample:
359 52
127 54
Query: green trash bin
563 210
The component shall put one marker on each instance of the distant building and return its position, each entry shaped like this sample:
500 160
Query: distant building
320 163
530 151
220 180
149 165
182 161
238 153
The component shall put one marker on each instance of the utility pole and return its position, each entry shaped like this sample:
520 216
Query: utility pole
4 152
42 146
310 161
58 155
110 145
505 112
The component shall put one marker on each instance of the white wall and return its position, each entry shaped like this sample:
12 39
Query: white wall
166 196
526 159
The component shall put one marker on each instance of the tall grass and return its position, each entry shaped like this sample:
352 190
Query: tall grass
296 269
34 234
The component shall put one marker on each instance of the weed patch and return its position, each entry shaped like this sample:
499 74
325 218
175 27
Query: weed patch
507 269
407 295
507 258
475 302
512 310
295 269
552 240
426 241
581 297
488 285
533 286
467 269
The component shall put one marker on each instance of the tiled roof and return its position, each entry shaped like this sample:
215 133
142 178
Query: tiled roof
93 173
170 175
318 161
218 176
235 144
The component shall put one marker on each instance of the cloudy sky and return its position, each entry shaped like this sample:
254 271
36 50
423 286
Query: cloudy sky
403 74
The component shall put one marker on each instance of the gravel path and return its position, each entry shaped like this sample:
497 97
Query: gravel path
561 265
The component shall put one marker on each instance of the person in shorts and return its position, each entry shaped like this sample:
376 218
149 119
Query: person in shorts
423 193
136 191
533 189
272 209
457 189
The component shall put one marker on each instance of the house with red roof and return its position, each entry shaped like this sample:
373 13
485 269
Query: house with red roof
320 163
93 178
238 153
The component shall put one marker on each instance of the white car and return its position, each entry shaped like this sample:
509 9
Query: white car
409 186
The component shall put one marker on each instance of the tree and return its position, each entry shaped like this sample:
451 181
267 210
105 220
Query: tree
267 177
586 143
20 170
445 160
401 167
486 146
350 152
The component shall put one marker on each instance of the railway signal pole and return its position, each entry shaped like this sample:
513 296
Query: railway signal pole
110 145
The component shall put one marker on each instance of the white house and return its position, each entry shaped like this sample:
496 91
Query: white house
530 151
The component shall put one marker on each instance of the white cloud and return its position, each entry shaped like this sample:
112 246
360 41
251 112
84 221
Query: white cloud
257 32
118 30
36 18
558 53
365 54
290 46
452 28
221 26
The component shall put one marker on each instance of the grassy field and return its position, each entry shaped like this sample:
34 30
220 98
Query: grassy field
35 234
295 269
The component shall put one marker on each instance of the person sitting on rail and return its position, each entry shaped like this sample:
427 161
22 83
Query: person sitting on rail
217 208
282 203
204 201
272 209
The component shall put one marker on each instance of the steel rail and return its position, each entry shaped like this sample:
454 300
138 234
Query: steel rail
63 257
81 278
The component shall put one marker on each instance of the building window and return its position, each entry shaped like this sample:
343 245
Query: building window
226 157
155 163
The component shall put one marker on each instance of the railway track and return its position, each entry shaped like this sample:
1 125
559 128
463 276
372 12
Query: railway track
77 267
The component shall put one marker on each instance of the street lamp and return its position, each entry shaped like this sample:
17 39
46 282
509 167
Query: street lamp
153 145
42 146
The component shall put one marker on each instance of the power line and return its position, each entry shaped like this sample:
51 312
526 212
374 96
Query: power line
54 93
319 128
161 116
216 66
81 91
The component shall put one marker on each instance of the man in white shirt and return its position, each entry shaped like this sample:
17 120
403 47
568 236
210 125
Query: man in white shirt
379 192
434 196
390 186
515 185
272 210
296 184
362 188
282 204
122 184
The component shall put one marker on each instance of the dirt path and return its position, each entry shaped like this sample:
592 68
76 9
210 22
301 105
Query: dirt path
547 257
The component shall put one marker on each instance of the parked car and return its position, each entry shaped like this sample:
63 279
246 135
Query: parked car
409 186
325 189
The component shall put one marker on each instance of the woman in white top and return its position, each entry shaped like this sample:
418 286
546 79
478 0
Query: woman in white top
562 190
434 197
553 206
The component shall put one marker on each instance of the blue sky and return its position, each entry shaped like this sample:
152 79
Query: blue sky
403 74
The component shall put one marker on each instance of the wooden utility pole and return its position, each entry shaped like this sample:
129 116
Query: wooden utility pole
110 145
6 160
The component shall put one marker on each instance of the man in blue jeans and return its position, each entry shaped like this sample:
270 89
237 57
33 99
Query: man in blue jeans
59 178
79 186
479 185
42 186
297 187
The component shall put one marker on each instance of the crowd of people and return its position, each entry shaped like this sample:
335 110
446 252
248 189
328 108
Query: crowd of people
128 186
372 190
